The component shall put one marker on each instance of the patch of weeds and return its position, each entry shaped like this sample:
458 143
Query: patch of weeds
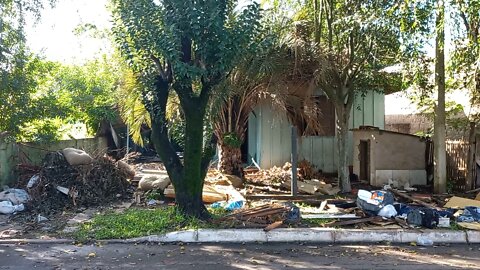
154 195
316 222
135 223
218 212
454 226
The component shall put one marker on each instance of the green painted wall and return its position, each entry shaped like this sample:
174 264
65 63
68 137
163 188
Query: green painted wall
269 134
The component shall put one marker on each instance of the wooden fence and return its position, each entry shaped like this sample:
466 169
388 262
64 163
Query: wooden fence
457 160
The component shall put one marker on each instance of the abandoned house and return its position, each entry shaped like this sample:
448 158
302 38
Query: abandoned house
269 132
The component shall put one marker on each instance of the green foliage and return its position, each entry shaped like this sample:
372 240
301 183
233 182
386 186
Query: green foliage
231 139
464 66
41 130
144 29
18 86
135 223
63 95
187 47
18 69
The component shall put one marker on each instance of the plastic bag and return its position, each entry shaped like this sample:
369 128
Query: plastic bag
7 207
387 211
470 214
33 181
15 196
234 205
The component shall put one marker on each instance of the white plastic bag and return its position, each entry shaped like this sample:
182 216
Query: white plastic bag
33 181
387 211
15 196
7 207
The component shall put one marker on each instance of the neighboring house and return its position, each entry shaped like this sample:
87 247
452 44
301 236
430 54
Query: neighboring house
401 115
382 155
408 123
269 133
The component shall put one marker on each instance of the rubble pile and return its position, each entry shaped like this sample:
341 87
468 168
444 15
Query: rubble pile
267 216
60 185
307 175
270 177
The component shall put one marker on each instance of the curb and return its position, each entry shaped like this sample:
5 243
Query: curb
313 235
35 241
285 235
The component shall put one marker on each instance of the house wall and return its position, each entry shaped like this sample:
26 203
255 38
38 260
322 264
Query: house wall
269 134
395 156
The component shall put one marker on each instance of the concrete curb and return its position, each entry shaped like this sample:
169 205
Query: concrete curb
35 241
312 235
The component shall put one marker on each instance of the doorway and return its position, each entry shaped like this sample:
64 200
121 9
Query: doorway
364 160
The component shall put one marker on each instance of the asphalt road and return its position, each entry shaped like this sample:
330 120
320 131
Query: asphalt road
236 256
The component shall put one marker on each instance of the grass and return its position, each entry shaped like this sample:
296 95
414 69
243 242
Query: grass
135 223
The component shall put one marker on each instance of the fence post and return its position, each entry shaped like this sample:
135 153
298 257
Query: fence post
471 158
294 159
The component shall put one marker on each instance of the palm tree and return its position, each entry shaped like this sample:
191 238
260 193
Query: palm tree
282 73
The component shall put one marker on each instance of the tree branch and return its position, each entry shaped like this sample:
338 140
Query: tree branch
159 66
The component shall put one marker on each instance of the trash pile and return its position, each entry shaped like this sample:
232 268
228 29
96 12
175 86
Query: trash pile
267 216
12 200
396 207
72 178
307 175
219 189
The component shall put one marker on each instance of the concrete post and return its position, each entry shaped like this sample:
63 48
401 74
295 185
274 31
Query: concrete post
294 159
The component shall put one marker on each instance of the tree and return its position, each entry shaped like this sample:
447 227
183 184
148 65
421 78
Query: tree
466 65
17 67
61 96
188 47
440 183
356 39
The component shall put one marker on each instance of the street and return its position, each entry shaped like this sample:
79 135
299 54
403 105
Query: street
238 256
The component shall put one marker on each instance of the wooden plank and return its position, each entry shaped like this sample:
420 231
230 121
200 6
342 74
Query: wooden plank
473 190
322 205
459 202
287 197
274 225
470 225
312 216
405 196
352 222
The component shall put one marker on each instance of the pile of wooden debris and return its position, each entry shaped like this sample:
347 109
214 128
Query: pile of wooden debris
267 216
58 185
310 179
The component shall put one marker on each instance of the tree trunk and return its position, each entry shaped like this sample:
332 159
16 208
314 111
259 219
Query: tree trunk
343 116
188 190
230 160
440 182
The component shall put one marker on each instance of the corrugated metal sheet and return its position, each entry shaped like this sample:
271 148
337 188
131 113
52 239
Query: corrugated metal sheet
269 134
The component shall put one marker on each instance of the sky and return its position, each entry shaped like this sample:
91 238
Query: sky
53 36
